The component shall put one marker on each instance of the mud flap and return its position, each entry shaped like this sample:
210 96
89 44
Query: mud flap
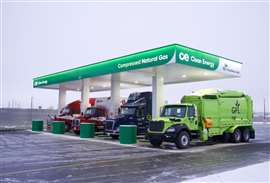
252 134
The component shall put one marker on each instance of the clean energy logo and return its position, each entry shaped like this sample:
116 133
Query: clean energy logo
184 56
236 108
196 60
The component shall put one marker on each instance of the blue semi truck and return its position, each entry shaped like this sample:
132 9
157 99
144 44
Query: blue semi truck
136 111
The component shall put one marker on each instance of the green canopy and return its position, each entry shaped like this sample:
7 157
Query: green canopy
178 64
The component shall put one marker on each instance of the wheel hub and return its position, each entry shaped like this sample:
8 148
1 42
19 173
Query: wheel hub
184 140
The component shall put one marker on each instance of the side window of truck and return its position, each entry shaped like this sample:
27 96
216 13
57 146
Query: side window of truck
191 111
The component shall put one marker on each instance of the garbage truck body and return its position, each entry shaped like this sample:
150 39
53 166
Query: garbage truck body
226 115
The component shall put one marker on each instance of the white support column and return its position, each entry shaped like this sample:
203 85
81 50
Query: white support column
157 94
115 94
61 97
85 90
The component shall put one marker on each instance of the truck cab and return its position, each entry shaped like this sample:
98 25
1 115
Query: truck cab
94 114
173 119
66 114
137 111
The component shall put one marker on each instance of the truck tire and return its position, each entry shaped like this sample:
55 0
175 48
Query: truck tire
67 128
236 136
155 142
77 132
182 140
115 137
225 137
245 135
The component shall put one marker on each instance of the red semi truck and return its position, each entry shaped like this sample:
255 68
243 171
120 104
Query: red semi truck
66 114
91 115
97 113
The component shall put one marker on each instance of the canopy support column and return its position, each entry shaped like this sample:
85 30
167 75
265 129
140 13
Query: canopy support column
115 94
61 97
85 94
157 94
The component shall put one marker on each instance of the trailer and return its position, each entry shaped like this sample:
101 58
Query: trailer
205 115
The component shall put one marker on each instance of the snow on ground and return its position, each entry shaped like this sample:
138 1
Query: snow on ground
249 174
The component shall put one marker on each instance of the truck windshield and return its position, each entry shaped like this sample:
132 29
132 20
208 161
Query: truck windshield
128 110
174 111
133 97
65 111
90 111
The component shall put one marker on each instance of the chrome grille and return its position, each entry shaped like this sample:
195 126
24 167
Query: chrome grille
76 122
108 125
156 126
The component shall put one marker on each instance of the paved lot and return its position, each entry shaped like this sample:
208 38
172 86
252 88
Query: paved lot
42 157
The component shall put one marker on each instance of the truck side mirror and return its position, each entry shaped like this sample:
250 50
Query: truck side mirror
82 113
160 110
195 111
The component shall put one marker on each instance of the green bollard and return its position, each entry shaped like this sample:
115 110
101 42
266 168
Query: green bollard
128 134
37 125
87 130
58 127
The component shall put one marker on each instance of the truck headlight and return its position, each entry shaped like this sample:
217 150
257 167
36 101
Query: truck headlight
171 129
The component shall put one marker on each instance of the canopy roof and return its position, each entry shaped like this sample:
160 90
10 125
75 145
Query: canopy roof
176 63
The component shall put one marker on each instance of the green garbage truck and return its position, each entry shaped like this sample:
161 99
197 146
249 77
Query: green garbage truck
205 115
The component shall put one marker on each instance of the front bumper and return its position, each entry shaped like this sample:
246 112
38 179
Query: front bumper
112 132
76 128
166 137
49 125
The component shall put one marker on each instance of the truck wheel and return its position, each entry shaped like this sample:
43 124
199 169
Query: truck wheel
77 132
245 135
236 136
115 137
155 142
182 140
67 128
225 137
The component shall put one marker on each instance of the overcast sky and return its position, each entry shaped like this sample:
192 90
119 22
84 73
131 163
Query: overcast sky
42 38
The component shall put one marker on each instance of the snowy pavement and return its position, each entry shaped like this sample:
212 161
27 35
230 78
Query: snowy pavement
42 157
250 174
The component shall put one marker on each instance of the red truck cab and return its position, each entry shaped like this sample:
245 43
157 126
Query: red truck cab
66 114
95 114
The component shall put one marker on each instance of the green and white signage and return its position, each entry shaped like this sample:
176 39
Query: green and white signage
171 54
196 58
